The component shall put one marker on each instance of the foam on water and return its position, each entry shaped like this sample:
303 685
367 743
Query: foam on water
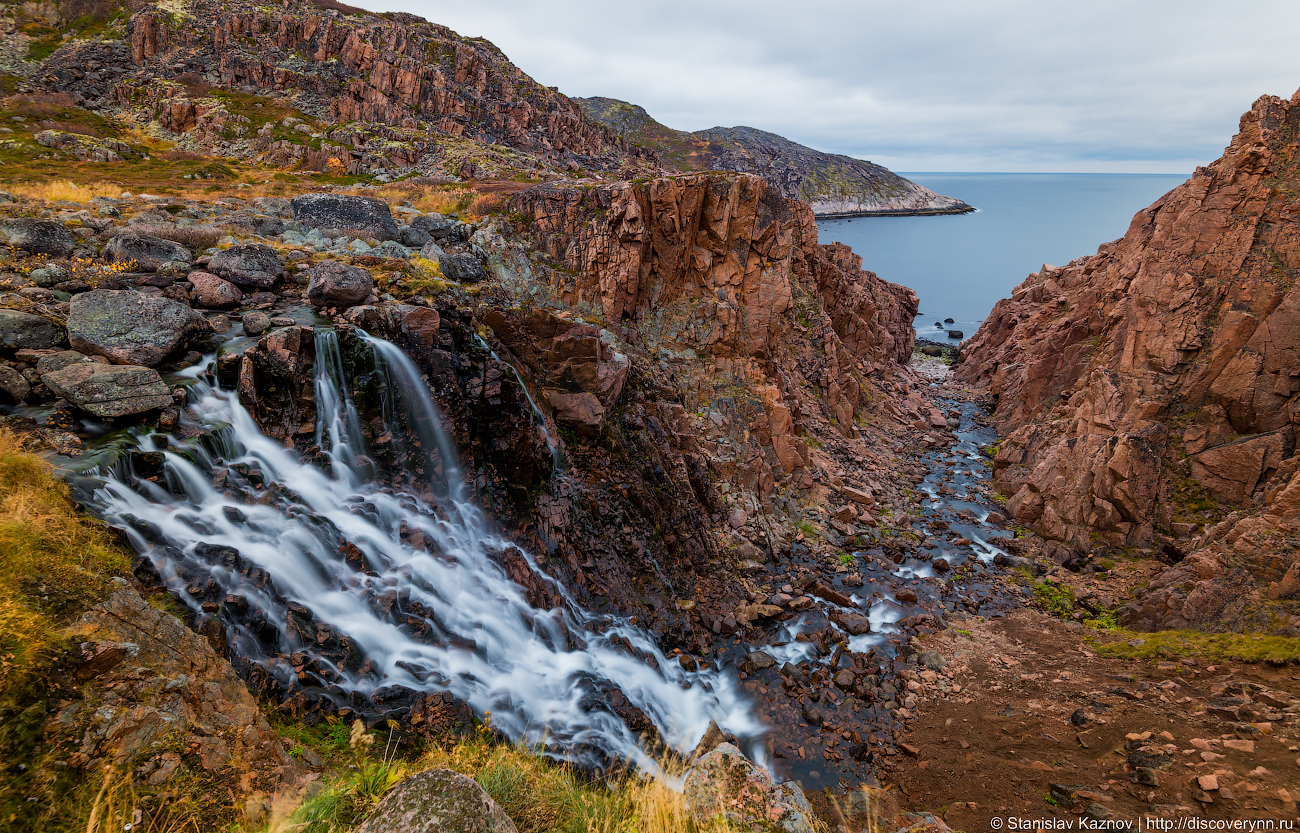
544 675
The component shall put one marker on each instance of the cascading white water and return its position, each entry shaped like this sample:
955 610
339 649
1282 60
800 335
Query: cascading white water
442 616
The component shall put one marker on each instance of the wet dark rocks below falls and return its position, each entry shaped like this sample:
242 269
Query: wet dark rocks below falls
840 677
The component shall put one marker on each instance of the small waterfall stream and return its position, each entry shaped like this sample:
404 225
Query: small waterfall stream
379 588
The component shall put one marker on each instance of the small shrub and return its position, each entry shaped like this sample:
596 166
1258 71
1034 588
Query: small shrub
194 238
486 204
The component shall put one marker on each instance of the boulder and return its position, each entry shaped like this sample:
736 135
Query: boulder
58 360
105 390
465 268
255 323
355 216
247 264
414 237
435 225
212 292
129 327
148 253
390 250
582 411
40 237
1232 471
13 387
335 284
437 801
726 783
22 329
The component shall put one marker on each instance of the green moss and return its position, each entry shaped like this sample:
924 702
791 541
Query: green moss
1210 647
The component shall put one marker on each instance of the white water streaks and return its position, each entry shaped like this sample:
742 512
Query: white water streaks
297 540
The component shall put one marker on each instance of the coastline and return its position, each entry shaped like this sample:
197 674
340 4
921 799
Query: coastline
895 212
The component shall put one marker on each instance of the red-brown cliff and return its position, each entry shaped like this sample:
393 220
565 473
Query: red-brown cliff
1150 392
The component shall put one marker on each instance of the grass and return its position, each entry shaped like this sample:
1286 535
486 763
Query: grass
538 794
1210 647
55 560
64 189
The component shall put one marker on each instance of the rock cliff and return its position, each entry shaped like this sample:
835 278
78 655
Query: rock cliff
833 184
1149 392
304 83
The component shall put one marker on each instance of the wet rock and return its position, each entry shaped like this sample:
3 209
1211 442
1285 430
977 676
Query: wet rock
465 268
854 624
956 334
40 237
931 350
714 737
255 323
247 264
726 783
148 253
354 216
335 284
758 660
212 292
106 390
812 714
24 330
437 801
129 327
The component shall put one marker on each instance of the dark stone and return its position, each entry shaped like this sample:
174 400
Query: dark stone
335 284
40 237
247 264
106 390
355 216
148 253
22 329
464 268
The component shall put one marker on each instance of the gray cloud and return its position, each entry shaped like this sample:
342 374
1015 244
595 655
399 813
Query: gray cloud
979 85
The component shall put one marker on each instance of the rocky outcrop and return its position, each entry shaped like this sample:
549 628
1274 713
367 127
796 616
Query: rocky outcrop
413 94
1152 388
434 801
725 783
129 327
722 250
833 184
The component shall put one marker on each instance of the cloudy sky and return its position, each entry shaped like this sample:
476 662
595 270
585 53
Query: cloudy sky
925 85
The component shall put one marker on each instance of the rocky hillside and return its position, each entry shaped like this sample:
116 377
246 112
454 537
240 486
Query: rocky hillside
1150 392
833 184
306 85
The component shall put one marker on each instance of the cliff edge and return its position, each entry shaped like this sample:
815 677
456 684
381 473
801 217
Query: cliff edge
1150 393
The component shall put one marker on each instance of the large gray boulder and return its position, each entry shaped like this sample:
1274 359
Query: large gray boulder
465 268
354 216
22 329
106 390
726 783
129 327
40 237
13 387
335 284
248 264
435 225
149 253
438 801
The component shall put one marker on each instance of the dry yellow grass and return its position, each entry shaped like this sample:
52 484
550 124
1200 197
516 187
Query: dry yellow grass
64 189
52 559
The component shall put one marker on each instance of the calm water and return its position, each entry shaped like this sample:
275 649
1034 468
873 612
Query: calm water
960 266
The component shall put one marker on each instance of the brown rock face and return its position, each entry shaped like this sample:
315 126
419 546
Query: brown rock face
1166 365
397 70
720 250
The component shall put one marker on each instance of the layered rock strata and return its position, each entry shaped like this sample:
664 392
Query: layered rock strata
1150 392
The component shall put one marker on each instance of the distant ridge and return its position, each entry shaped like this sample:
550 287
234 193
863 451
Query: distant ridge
833 184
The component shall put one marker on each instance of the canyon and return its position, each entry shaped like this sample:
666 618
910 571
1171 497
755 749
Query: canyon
428 410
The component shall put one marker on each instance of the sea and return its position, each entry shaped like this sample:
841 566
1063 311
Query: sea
961 265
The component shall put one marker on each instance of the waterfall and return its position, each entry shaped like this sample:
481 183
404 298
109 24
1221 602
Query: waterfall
379 588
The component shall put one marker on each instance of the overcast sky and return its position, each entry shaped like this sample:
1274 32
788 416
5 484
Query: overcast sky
925 85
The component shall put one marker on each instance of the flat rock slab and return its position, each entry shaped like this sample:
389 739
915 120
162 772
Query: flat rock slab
129 327
107 390
438 801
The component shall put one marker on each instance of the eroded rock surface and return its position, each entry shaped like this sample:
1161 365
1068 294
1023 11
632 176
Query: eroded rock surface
129 327
1152 389
437 801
